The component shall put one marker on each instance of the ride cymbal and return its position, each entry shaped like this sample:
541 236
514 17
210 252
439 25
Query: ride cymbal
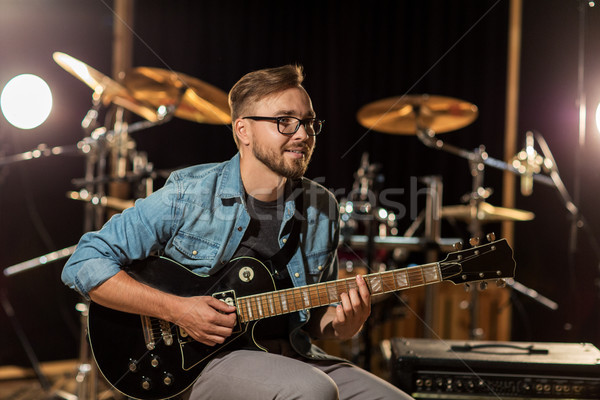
105 89
194 99
485 212
406 114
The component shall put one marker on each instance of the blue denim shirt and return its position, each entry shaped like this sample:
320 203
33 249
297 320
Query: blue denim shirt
198 219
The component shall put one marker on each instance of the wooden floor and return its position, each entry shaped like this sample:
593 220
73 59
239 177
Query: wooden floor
18 383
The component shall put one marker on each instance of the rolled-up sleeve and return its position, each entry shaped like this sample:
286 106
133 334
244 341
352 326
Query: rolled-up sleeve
134 234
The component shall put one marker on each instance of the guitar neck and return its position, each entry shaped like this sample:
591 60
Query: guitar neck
269 304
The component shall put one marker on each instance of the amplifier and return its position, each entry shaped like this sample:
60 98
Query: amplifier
452 369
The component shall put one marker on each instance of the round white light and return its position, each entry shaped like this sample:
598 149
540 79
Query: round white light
26 101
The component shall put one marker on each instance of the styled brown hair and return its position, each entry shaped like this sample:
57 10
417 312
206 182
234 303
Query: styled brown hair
261 83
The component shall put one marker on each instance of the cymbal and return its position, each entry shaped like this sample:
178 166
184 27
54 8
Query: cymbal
486 212
105 88
398 115
194 99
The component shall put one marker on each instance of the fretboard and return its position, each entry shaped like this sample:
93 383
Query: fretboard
269 304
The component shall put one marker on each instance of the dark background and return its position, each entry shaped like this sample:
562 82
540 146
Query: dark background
354 53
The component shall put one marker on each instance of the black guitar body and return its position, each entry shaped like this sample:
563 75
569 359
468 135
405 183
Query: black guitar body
170 365
147 358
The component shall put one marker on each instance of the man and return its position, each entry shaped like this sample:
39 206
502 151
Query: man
251 205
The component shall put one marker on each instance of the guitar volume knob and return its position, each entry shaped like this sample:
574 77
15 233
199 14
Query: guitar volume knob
168 379
132 365
146 383
155 361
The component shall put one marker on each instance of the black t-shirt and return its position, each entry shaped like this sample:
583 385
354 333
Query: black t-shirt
261 241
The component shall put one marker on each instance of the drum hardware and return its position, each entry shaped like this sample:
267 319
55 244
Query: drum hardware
478 210
104 201
115 170
425 116
42 150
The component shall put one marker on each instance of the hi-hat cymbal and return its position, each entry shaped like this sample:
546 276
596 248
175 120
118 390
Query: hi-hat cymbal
194 99
486 212
398 115
105 88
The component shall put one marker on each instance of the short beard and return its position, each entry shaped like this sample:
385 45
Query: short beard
278 164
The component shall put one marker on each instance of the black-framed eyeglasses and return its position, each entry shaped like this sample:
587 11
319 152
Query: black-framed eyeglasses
290 125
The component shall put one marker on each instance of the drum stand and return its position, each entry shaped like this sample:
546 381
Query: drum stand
110 156
478 159
103 149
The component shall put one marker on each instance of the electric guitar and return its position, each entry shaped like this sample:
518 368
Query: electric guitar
149 358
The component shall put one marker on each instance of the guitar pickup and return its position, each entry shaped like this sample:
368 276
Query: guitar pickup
228 297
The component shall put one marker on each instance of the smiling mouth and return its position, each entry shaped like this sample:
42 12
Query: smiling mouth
302 152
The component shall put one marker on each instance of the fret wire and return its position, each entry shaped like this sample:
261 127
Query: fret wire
315 293
321 289
284 304
388 283
294 299
268 307
328 300
256 304
263 305
253 308
274 297
276 303
332 289
294 292
270 304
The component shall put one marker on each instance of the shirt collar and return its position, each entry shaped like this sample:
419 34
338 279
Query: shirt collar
231 185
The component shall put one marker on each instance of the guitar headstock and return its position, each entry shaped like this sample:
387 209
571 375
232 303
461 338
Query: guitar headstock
490 261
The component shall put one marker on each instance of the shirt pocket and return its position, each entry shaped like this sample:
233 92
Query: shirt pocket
196 250
317 264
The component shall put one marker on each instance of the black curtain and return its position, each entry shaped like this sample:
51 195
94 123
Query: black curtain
354 53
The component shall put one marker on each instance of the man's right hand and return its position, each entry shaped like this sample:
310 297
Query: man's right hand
206 319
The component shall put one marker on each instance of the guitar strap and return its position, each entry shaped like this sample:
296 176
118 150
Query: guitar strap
278 261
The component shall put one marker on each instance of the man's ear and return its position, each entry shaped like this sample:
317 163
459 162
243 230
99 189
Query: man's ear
241 131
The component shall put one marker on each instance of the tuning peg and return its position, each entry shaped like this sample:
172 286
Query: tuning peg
483 285
457 246
474 241
490 236
501 283
467 287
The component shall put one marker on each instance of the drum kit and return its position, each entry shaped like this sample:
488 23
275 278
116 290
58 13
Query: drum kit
368 228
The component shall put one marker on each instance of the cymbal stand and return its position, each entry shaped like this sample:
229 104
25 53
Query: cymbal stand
364 186
116 150
478 159
475 198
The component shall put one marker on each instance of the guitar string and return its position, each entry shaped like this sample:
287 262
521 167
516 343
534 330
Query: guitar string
260 302
266 302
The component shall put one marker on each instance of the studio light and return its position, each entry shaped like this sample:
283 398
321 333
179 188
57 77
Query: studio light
26 101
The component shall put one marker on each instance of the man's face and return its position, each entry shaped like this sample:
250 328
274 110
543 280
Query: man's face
286 155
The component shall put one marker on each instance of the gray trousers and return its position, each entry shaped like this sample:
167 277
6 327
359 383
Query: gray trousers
282 374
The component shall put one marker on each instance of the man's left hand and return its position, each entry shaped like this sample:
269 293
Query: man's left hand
353 311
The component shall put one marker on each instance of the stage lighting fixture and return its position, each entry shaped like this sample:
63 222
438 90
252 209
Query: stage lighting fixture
26 101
